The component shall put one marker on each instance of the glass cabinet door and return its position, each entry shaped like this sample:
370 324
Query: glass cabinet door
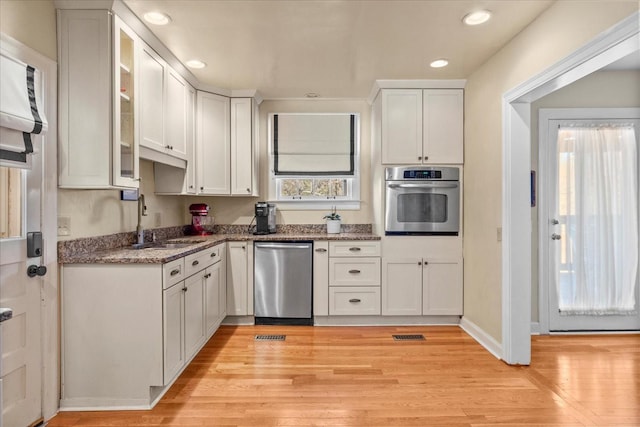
125 144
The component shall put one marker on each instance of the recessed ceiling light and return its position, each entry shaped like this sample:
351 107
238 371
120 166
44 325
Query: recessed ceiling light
157 18
195 63
312 95
439 63
476 18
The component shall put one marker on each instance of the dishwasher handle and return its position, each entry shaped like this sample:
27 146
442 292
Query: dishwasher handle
282 246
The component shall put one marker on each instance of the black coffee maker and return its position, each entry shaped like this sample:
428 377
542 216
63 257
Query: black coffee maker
265 218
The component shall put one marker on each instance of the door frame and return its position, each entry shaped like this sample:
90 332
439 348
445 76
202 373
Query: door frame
49 215
544 188
611 45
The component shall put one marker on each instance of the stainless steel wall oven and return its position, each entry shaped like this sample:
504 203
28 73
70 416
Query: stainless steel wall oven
422 200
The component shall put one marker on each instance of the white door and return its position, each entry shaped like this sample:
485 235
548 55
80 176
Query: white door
592 233
20 367
28 204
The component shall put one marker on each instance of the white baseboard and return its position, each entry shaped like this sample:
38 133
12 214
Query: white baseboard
535 328
484 339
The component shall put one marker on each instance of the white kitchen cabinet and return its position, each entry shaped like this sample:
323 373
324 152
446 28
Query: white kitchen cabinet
320 278
171 179
402 287
421 286
213 149
152 98
243 155
98 101
215 290
173 315
354 278
122 344
164 97
422 126
240 279
442 287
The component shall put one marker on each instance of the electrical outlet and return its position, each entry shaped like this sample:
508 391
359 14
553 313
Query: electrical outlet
499 234
157 219
64 226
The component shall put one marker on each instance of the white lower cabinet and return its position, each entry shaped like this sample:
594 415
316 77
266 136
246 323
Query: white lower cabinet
129 329
421 286
361 301
173 313
402 287
240 279
354 278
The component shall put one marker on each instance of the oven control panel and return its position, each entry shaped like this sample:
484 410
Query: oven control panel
422 174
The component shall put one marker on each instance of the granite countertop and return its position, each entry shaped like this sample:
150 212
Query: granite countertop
150 255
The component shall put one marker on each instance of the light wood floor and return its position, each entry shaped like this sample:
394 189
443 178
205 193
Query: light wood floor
358 376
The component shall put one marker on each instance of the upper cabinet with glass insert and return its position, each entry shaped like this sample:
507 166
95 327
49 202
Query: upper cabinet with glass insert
98 94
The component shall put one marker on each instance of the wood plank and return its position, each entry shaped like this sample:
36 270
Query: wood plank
359 376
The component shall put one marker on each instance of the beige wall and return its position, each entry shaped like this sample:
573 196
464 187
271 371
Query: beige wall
559 31
239 210
31 22
603 89
100 212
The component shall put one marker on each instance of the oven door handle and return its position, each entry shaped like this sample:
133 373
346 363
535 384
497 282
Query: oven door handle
425 185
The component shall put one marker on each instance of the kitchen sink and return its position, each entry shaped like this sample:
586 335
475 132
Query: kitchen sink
162 245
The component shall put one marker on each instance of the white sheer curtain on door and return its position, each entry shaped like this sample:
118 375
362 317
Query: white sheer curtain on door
597 171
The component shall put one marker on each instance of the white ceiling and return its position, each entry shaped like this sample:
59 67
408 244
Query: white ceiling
337 49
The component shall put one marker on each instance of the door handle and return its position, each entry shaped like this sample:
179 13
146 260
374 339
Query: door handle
36 270
555 236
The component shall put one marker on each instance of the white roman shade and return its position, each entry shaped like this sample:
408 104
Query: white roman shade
21 113
314 144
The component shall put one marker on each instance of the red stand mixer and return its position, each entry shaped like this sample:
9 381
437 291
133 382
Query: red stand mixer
201 223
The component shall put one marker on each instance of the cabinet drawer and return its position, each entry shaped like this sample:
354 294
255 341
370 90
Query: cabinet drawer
200 260
172 272
354 248
354 271
354 301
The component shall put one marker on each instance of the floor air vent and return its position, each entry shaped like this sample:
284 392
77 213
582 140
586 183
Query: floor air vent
407 337
270 337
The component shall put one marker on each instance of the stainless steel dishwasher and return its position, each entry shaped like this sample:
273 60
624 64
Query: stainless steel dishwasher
283 278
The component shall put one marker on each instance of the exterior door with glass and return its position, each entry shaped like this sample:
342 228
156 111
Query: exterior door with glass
592 230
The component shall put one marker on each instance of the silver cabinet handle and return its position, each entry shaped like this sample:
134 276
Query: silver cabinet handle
354 271
194 263
355 249
174 272
321 250
354 300
555 236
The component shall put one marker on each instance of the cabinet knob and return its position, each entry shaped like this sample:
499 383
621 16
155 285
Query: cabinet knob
201 188
185 289
419 157
191 186
426 263
206 276
248 190
426 157
213 254
419 263
354 300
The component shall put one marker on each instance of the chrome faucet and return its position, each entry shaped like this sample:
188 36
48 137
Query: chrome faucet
142 211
